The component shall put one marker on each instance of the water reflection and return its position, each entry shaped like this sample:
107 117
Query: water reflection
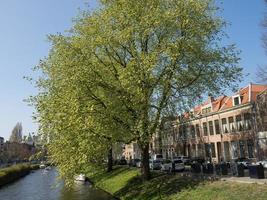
42 185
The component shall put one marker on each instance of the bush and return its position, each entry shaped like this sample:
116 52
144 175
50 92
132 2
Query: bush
10 174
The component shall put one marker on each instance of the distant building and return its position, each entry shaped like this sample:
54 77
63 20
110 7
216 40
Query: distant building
132 151
2 140
15 151
117 151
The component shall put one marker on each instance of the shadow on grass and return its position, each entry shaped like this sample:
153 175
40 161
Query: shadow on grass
159 187
100 175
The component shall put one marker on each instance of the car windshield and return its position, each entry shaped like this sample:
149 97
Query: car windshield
178 161
167 161
159 156
243 159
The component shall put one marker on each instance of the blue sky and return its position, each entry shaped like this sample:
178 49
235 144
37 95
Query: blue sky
25 24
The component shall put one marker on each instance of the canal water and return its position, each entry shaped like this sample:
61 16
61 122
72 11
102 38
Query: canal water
42 185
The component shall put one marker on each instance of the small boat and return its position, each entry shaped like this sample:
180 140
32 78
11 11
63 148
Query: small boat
42 166
80 177
47 168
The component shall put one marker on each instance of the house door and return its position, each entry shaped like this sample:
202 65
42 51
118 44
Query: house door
219 151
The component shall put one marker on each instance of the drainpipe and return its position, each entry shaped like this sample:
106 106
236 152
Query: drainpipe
249 96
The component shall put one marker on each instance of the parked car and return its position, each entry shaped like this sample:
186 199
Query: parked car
166 165
155 164
199 160
263 162
158 157
244 161
185 159
135 161
179 165
138 164
122 161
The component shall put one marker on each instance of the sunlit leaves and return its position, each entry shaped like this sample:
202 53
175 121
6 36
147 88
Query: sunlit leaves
121 68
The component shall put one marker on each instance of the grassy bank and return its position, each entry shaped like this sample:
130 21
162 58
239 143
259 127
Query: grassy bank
10 174
126 184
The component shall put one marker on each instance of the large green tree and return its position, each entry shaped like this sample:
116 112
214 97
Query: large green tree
124 66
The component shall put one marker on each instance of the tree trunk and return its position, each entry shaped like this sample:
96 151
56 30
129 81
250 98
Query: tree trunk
145 170
110 160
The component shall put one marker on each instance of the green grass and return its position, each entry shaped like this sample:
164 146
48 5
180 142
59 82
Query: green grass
223 191
127 184
113 182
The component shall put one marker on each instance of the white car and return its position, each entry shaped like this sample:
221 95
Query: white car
166 165
158 157
263 162
185 159
138 164
154 164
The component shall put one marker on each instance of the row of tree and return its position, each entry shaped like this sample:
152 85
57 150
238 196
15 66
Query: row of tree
120 69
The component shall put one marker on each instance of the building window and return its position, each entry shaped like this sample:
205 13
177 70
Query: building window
206 110
234 148
197 130
180 131
226 151
211 128
184 131
207 150
236 101
250 148
247 120
213 153
205 129
192 130
217 127
224 125
200 150
231 124
194 153
239 123
242 149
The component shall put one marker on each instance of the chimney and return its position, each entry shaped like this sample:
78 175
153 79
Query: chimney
210 98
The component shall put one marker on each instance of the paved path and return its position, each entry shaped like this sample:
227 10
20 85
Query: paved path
244 180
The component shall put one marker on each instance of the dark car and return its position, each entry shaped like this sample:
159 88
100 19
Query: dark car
122 161
244 161
135 161
199 160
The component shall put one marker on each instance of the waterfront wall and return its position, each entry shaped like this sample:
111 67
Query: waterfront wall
13 173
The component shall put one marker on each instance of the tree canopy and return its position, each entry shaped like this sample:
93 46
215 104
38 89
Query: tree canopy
124 66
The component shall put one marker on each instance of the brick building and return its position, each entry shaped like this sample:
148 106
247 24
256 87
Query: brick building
221 128
260 110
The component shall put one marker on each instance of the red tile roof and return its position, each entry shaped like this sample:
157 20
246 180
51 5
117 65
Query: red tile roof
249 94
